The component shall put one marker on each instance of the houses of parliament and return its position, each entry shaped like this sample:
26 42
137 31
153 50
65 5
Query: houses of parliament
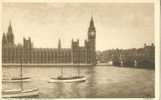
27 53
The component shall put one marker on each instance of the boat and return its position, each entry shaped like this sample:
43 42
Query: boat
17 79
21 92
63 79
11 91
68 79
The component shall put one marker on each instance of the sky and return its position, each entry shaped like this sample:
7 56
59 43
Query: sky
118 25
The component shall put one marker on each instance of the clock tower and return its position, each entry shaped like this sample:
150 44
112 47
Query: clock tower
92 43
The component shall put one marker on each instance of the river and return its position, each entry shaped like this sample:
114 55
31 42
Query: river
102 81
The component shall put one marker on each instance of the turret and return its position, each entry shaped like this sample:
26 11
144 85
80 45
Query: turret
27 43
10 36
4 40
59 44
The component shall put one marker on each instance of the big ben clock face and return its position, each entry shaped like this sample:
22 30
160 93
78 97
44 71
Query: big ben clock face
92 33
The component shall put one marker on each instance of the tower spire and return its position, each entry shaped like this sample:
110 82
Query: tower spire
10 28
59 44
91 26
10 22
10 36
92 22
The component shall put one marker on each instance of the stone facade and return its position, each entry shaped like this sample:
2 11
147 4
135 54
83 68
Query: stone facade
135 57
27 53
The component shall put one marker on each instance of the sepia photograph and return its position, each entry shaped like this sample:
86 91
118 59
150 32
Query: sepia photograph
78 50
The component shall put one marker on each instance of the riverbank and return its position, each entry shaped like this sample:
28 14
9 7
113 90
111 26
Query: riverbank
45 64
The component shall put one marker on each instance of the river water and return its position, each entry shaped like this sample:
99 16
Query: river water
102 81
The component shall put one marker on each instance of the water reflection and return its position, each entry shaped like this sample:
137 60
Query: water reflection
91 82
76 89
58 90
98 83
61 90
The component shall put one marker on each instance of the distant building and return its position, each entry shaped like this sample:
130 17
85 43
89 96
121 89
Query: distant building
140 57
14 53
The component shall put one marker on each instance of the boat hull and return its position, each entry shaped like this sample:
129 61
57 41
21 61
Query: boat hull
11 91
15 80
22 94
67 80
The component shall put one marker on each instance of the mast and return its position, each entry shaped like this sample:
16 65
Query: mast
72 58
78 70
21 74
78 64
62 71
61 66
59 57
